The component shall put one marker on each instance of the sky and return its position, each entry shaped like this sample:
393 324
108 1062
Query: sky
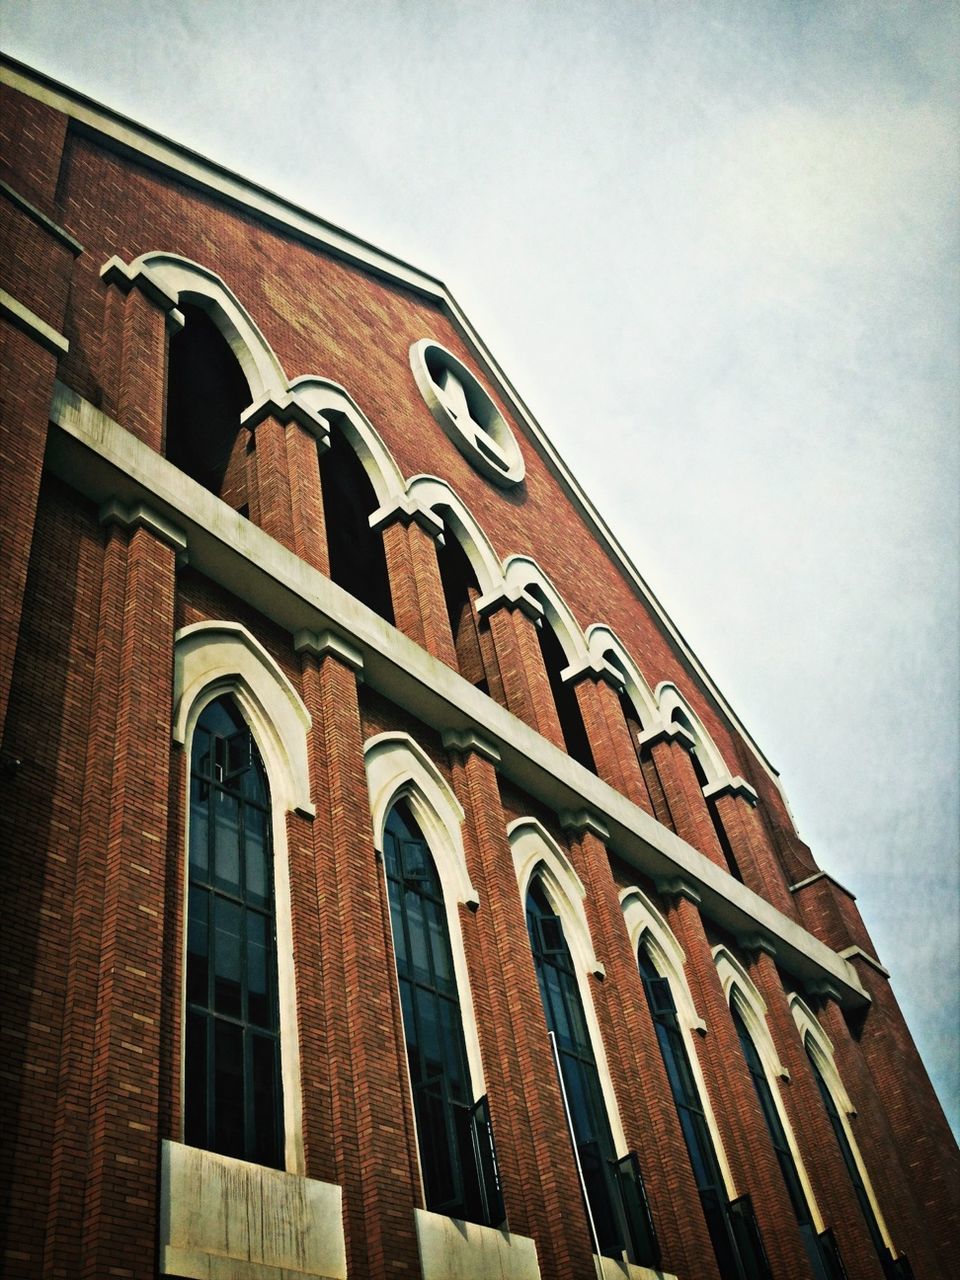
715 246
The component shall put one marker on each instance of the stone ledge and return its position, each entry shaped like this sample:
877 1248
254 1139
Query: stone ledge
454 1250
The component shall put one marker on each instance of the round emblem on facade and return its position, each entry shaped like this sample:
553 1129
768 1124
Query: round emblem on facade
465 411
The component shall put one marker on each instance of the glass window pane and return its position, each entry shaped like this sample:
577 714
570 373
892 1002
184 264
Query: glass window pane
256 885
199 832
265 1097
228 1136
226 817
197 946
258 989
413 909
226 957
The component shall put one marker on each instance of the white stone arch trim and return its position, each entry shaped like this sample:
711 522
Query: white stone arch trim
399 769
673 705
521 573
741 993
188 281
537 856
601 639
335 403
431 492
819 1046
216 658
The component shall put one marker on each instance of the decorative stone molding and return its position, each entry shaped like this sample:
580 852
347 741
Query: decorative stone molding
139 276
327 643
287 408
141 517
464 409
593 668
510 596
29 323
754 942
466 740
858 953
404 509
731 787
582 820
453 1250
52 228
671 732
677 887
822 989
822 875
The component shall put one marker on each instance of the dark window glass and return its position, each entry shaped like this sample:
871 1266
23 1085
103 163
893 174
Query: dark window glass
455 1139
357 559
778 1137
693 1122
232 1056
613 1191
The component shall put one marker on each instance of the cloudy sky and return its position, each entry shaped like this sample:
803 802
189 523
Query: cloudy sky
715 246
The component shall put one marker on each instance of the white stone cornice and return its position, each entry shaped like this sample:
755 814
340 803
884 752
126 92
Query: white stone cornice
677 887
408 510
33 213
29 323
116 272
731 787
858 953
466 740
822 875
328 644
670 732
510 596
592 668
757 942
140 516
579 821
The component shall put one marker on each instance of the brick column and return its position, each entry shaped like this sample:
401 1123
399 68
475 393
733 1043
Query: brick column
374 1154
647 1110
743 1130
416 591
285 499
103 1205
890 1175
138 315
735 802
669 749
811 1126
611 742
513 619
540 1185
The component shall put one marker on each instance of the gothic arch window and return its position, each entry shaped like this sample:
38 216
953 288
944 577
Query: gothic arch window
749 1018
244 730
233 1100
839 1109
417 826
562 954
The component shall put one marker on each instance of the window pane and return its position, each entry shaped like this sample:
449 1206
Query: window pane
413 909
258 991
199 833
265 1098
228 1137
226 811
226 956
197 946
255 856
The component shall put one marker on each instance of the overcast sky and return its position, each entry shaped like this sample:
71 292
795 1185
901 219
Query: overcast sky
715 247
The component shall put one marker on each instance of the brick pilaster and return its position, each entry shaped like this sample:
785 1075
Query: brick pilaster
117 1051
138 315
374 1158
416 590
736 808
614 752
669 751
647 1111
743 1130
540 1185
526 686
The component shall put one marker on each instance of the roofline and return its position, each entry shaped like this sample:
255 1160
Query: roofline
189 166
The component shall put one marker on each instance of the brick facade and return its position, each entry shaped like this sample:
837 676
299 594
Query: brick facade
112 558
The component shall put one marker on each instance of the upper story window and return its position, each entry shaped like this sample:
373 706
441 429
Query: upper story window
357 559
613 1187
457 1158
464 409
232 1088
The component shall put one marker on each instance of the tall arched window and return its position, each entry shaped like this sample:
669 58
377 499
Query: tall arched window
613 1188
564 694
820 1249
736 1241
457 1159
232 1087
357 559
461 592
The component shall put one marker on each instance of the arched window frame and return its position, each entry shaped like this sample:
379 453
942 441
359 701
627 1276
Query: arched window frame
213 659
647 928
601 640
673 707
818 1044
536 855
521 573
459 522
399 769
741 993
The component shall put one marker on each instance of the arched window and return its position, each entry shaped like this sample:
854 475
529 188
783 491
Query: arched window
564 694
612 1186
455 1139
461 591
357 559
820 1249
233 1096
206 394
736 1241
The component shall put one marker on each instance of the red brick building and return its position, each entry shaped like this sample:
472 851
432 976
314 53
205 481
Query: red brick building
387 890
